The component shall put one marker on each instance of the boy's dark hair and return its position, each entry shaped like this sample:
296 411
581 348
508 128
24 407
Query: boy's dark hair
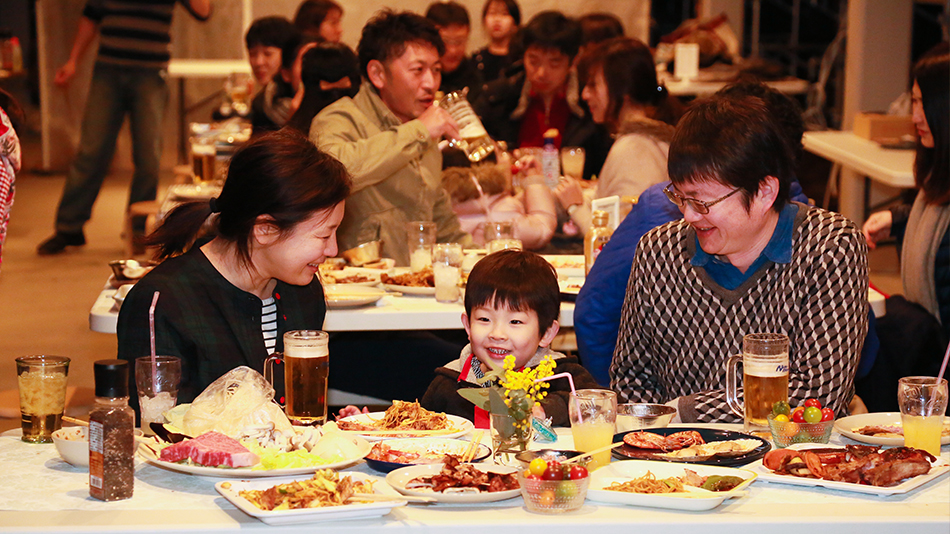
598 27
448 13
552 29
311 13
513 9
269 31
517 280
387 34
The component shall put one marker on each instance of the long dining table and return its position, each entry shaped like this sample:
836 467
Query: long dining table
43 494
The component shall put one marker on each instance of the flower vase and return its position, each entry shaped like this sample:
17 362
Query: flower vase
508 439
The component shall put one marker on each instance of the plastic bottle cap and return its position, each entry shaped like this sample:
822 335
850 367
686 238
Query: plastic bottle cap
112 378
550 133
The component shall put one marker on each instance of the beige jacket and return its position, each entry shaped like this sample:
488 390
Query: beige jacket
396 172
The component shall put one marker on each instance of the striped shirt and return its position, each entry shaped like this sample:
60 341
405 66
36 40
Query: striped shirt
269 323
134 33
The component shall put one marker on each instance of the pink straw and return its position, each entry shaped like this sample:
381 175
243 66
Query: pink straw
151 340
570 380
943 366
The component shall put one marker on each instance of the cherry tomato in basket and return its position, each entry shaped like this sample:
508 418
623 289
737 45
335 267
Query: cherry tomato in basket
781 408
827 414
798 415
546 498
566 490
811 402
578 472
538 466
812 414
780 418
553 472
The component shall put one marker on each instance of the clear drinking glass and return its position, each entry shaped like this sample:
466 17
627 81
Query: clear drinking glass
593 414
157 388
572 161
447 269
764 378
923 401
42 384
420 238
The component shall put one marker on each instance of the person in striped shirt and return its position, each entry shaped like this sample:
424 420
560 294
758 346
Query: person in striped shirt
129 78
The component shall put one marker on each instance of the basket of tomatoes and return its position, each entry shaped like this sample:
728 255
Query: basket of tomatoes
553 488
808 423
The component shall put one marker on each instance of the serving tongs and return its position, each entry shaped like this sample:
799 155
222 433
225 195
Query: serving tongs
162 433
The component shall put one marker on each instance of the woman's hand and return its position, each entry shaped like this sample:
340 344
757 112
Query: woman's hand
569 192
351 410
878 227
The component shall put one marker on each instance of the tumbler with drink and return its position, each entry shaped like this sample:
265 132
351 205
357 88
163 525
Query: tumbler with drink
764 378
593 414
447 270
420 236
42 384
923 401
157 382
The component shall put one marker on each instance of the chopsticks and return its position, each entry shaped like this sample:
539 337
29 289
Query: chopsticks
75 421
383 497
591 453
472 448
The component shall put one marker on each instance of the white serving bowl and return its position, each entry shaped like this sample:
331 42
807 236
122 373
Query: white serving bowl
72 443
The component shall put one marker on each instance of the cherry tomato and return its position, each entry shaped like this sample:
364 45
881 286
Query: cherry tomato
798 415
812 414
577 472
531 476
566 490
780 418
553 472
781 408
811 402
789 430
538 466
827 414
546 498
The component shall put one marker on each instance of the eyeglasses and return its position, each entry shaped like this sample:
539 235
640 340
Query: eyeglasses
699 206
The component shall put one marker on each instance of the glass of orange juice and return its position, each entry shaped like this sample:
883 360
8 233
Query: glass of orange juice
593 415
923 401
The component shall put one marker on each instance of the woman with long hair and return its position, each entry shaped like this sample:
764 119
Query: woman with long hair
227 301
623 94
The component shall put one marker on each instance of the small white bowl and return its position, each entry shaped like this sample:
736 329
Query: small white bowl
72 443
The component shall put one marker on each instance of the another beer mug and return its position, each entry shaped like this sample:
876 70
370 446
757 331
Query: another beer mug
764 378
42 384
474 140
306 370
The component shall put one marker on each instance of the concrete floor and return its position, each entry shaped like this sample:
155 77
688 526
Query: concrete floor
46 300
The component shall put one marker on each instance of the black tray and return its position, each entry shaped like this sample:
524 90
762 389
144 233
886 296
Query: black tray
626 452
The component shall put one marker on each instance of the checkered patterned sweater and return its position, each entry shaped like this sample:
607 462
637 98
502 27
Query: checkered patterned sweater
678 326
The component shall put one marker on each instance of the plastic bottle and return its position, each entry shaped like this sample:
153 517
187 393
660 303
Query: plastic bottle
111 437
550 159
475 141
596 238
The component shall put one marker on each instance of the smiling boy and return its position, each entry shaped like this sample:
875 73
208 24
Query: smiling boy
512 303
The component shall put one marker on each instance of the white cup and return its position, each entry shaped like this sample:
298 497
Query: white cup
687 61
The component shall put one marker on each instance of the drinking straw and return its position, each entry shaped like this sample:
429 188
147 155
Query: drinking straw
482 201
151 339
943 366
570 380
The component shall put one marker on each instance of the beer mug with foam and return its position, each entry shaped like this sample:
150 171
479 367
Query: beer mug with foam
306 370
764 378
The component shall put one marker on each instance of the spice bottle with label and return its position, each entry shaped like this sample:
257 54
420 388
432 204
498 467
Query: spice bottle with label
596 238
111 437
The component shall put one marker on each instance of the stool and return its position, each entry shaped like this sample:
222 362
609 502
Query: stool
146 208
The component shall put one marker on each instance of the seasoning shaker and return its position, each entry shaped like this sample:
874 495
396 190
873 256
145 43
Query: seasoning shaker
111 433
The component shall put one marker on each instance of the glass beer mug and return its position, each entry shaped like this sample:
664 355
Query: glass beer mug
306 370
474 141
764 378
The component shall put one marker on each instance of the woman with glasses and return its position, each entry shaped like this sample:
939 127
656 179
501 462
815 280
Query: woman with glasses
743 259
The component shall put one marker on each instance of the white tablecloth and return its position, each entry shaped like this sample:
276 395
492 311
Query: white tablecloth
43 494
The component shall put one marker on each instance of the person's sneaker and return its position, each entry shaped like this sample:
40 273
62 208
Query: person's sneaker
59 242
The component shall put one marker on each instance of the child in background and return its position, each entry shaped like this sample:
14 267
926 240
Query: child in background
512 303
483 193
265 39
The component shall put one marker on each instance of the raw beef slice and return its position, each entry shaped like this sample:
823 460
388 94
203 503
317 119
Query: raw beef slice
212 449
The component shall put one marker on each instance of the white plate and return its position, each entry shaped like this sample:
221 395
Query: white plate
400 477
247 472
570 286
350 295
567 265
846 427
308 515
411 290
938 468
463 426
693 499
332 277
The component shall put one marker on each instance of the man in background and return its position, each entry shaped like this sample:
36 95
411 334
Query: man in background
129 79
458 71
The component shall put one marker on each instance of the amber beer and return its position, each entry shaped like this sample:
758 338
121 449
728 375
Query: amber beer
764 378
42 385
203 162
306 370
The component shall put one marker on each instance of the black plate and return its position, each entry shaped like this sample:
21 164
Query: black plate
385 467
626 452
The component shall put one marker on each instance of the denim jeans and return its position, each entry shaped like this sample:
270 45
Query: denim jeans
142 94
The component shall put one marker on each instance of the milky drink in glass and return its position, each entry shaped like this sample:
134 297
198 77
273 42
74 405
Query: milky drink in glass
420 236
306 360
593 414
447 270
42 384
922 401
157 388
764 378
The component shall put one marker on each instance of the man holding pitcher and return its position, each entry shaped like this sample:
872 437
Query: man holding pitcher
742 260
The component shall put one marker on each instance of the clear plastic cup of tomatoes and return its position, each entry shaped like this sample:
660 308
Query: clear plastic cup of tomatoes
555 490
